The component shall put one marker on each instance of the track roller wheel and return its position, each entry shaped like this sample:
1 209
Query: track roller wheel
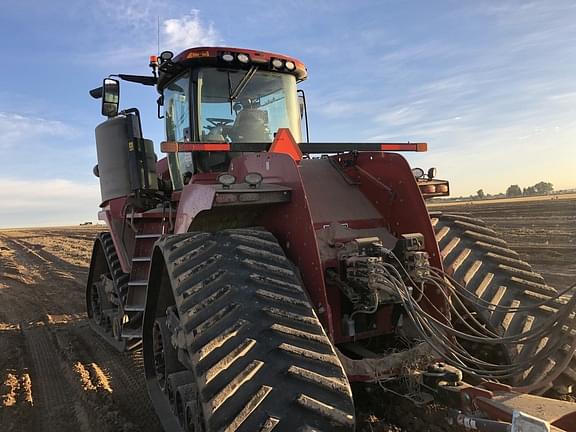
165 356
256 355
97 302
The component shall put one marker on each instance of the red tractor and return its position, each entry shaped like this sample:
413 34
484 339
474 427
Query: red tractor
264 276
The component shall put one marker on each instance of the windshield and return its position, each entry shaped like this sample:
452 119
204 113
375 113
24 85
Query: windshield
236 106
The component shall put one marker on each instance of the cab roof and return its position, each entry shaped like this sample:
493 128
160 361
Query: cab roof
215 56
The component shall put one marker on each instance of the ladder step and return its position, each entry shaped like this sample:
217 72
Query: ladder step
141 259
133 308
138 283
148 236
129 333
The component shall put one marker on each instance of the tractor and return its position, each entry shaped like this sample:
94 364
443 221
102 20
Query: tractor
271 281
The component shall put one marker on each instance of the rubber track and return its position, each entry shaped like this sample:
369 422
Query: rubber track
477 257
118 276
261 358
120 280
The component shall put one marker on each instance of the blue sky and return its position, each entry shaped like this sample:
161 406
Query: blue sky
490 85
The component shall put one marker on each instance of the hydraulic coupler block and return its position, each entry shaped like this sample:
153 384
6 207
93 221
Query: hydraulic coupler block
410 252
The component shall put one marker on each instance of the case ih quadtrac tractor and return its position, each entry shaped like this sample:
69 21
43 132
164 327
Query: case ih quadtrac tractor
273 283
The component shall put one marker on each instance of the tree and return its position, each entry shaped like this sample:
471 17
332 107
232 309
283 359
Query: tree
543 188
480 193
528 191
513 191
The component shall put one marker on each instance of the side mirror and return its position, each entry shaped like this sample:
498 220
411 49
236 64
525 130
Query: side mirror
110 97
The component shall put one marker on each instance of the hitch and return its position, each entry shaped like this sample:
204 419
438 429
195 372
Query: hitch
494 407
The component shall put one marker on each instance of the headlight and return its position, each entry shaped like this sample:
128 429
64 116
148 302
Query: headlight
253 179
227 57
432 173
226 180
277 63
418 172
290 65
243 58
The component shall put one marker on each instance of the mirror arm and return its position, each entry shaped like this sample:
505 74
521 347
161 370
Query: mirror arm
140 79
159 103
96 93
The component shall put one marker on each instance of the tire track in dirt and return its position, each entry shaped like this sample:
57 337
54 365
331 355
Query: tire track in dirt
125 373
51 389
17 411
55 339
50 258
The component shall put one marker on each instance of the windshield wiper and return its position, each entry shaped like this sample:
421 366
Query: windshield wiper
243 83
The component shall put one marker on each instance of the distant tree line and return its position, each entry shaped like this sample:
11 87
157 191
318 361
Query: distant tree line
541 188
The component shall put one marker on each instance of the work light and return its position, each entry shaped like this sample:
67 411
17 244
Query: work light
243 58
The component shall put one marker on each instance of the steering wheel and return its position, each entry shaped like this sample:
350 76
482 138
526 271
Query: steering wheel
219 121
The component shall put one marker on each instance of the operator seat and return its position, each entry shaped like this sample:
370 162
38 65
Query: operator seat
251 125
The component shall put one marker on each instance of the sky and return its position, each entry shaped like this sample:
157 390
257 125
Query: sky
490 85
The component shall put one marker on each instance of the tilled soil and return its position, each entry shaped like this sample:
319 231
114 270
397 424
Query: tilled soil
57 375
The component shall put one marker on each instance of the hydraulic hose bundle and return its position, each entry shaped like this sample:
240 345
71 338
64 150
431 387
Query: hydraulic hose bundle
446 340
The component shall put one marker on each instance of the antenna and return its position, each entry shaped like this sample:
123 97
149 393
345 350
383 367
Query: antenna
158 31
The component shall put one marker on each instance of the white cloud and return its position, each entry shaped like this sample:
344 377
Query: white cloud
17 129
188 31
140 23
44 202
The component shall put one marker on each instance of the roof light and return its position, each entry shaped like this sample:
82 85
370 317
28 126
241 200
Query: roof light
290 65
166 56
243 58
277 63
226 180
253 179
227 57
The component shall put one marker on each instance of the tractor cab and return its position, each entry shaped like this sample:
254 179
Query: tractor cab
225 95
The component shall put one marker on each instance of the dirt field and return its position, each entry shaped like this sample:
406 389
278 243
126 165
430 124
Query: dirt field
56 375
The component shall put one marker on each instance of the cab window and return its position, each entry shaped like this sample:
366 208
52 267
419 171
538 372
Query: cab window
177 121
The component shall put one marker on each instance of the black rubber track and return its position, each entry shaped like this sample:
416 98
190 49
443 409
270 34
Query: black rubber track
261 359
118 276
482 262
104 245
